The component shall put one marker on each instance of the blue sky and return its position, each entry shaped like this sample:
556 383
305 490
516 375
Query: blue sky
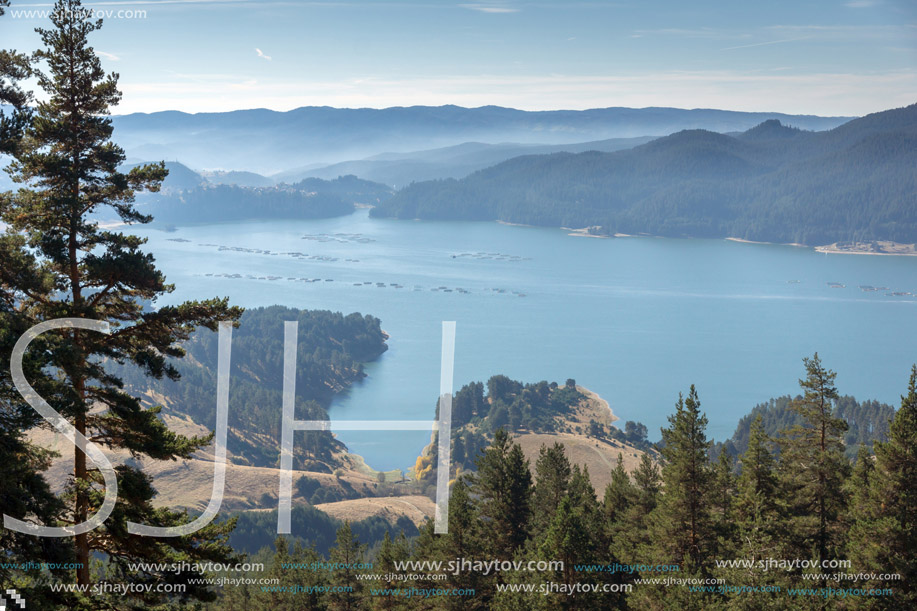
828 57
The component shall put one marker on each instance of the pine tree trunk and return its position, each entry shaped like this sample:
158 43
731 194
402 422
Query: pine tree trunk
80 473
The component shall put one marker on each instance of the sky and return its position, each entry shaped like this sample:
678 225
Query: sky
824 57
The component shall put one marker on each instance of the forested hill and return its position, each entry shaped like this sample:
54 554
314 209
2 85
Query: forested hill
867 422
331 351
189 197
771 183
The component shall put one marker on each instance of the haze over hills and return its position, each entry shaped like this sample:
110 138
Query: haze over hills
266 141
191 197
770 183
399 169
391 169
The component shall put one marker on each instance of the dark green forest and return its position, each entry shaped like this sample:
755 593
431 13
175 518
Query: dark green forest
867 421
349 188
213 204
330 355
479 411
689 532
188 197
257 530
772 183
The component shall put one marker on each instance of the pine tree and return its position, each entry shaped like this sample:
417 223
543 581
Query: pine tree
758 527
568 540
883 538
619 494
621 510
504 484
428 547
14 67
859 485
813 466
390 552
722 491
58 263
462 542
552 477
582 494
756 502
24 493
682 529
629 532
291 568
646 479
592 548
346 553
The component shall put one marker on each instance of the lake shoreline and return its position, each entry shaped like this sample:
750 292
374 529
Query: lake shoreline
743 241
601 404
609 312
886 248
584 233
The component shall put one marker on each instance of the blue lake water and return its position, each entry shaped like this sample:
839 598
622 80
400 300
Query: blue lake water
635 319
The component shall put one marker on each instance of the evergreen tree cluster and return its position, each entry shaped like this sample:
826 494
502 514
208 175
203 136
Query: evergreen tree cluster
189 197
479 410
513 405
331 351
806 502
772 183
256 530
867 421
221 203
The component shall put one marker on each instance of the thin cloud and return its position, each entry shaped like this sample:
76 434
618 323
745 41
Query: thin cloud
262 55
110 56
821 93
861 3
483 8
848 32
247 85
763 44
714 33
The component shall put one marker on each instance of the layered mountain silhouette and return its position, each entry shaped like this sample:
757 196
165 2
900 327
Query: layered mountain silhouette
770 183
268 142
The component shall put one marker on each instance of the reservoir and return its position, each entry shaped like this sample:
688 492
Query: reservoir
635 319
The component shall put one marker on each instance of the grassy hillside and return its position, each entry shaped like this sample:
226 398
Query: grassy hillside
331 351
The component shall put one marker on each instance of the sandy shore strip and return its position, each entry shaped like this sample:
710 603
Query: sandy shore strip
584 233
869 248
513 224
742 241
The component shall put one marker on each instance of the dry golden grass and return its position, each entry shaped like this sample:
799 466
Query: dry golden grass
188 484
599 456
416 508
593 407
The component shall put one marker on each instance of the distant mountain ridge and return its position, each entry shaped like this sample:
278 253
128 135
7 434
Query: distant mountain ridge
855 182
458 161
266 141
